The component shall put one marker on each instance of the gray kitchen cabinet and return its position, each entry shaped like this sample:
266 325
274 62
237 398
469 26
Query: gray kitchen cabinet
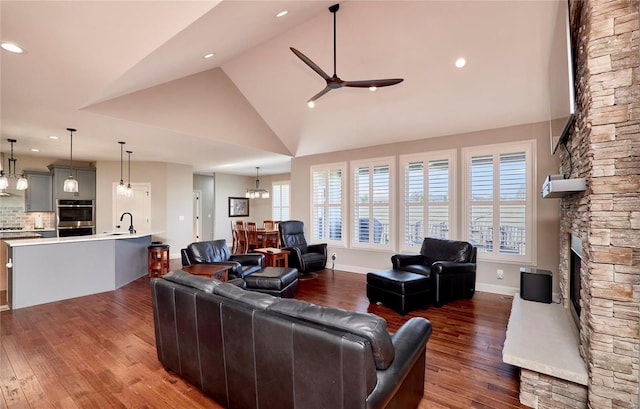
86 178
39 195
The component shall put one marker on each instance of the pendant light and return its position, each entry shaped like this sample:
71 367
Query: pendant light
257 192
70 183
22 183
121 189
129 191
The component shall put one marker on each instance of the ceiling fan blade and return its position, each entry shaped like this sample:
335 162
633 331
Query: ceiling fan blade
373 83
319 94
310 63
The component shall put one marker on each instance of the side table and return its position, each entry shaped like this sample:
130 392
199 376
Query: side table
274 257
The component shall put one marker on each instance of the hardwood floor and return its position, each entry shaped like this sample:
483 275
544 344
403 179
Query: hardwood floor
99 351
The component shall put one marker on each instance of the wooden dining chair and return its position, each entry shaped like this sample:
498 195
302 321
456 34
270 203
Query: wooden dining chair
241 234
270 238
252 236
268 224
234 235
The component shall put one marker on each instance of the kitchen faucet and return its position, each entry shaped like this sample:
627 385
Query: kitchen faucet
131 229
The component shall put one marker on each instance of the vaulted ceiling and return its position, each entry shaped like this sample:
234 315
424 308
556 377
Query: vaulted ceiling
134 71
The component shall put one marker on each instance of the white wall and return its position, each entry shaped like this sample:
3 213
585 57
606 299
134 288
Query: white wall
171 197
547 217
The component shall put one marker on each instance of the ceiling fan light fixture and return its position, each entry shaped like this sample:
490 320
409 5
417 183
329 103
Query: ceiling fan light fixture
335 82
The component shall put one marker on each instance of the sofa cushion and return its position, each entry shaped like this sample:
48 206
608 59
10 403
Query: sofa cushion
200 283
365 325
209 251
254 299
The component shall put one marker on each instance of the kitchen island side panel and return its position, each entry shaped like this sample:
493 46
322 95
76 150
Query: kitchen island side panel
54 272
131 259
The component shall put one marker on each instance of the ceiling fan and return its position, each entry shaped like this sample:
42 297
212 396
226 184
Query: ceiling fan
334 81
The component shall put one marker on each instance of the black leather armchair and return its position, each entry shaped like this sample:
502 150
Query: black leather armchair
450 264
217 252
307 258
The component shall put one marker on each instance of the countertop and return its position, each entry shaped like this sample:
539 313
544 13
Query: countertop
61 240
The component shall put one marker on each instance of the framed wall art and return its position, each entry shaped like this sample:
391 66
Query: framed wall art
238 207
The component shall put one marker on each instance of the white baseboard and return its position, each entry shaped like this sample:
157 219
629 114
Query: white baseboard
496 289
488 288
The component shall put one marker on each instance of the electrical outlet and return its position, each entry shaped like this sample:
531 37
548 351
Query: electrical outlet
500 274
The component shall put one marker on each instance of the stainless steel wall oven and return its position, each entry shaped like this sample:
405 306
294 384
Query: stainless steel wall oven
75 217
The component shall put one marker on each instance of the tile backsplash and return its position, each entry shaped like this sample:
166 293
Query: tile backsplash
15 216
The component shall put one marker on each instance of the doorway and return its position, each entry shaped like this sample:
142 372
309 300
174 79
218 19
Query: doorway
138 204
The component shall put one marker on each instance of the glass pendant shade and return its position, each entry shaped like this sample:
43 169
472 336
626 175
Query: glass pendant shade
121 189
4 182
23 183
70 183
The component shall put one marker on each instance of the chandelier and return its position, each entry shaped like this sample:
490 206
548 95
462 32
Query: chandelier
22 183
257 192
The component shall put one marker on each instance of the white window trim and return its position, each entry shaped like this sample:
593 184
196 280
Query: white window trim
391 162
345 195
450 155
529 147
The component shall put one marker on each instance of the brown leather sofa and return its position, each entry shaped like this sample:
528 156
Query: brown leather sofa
253 350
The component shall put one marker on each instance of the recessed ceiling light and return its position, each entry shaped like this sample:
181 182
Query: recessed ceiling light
282 13
35 150
311 104
14 48
53 137
372 89
461 62
207 56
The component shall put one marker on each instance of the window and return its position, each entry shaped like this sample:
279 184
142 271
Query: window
427 193
372 199
499 202
281 203
328 203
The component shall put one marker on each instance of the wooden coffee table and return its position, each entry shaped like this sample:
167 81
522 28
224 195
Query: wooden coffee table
274 257
217 271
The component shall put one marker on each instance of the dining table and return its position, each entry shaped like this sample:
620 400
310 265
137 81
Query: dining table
268 238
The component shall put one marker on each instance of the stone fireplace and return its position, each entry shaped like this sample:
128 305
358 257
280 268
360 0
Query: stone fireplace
604 148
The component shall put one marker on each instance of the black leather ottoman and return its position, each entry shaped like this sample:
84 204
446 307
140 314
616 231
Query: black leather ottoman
278 281
401 290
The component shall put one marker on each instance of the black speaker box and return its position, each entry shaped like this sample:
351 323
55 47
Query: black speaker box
535 285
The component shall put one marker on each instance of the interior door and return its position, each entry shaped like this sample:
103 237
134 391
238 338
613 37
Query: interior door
138 204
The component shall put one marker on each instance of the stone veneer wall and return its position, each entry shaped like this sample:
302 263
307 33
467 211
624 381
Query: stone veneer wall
605 149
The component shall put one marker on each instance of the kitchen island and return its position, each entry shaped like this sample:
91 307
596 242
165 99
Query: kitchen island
52 269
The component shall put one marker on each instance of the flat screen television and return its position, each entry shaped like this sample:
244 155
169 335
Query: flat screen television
562 106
